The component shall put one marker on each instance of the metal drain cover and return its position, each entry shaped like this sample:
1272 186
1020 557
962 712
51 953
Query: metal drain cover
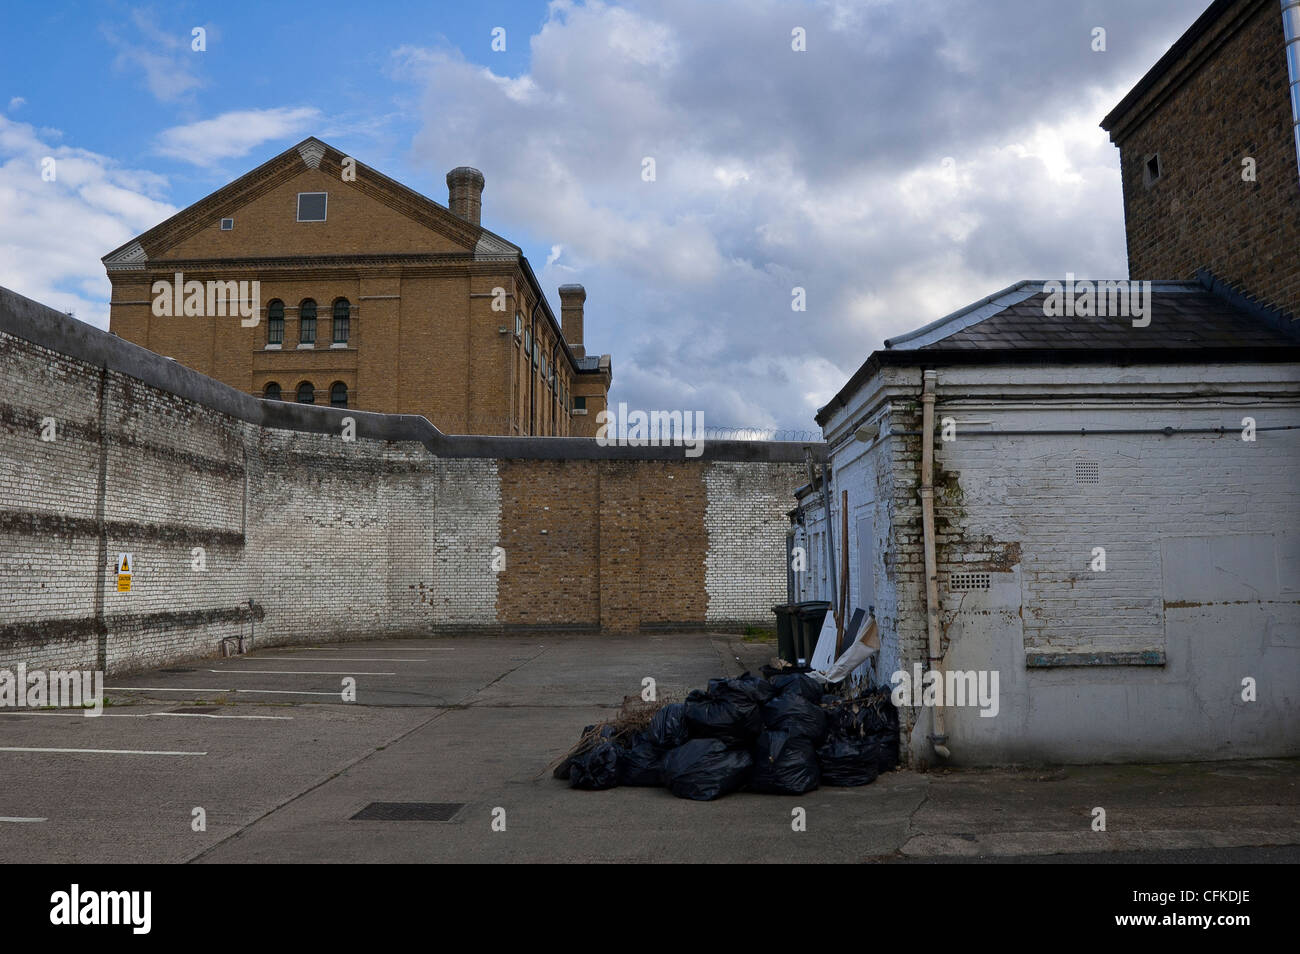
178 670
197 710
408 811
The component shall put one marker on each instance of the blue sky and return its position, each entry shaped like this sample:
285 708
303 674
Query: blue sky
919 155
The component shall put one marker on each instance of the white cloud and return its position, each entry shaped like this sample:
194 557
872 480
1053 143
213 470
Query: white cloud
16 103
233 134
53 234
777 169
169 65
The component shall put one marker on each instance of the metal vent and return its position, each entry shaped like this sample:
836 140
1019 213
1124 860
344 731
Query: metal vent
968 581
1087 472
409 811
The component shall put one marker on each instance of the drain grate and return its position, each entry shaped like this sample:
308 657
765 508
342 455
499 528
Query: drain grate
178 670
408 811
197 710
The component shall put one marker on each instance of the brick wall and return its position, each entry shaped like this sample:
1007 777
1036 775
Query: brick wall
391 534
1223 101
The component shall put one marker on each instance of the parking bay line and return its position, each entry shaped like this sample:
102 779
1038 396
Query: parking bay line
270 692
211 715
301 672
19 748
7 818
102 715
330 658
379 649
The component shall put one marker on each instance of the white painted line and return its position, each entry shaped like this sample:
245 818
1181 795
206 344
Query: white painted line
211 715
5 818
382 649
74 715
17 748
161 689
330 658
300 672
273 692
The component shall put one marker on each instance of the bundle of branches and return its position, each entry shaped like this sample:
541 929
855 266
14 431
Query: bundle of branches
864 714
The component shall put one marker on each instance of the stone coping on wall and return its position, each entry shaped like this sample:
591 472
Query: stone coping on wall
24 318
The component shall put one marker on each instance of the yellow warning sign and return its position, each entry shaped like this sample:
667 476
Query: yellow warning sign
124 561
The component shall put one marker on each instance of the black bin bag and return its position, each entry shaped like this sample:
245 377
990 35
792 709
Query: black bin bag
792 713
668 726
641 764
746 688
734 721
595 768
705 769
785 764
848 762
797 682
606 732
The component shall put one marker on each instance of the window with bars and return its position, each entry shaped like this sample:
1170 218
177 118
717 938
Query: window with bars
275 322
342 320
307 322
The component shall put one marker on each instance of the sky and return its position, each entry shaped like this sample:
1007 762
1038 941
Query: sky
914 156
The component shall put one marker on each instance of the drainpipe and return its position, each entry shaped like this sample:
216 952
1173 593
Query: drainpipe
938 738
826 506
1291 37
532 372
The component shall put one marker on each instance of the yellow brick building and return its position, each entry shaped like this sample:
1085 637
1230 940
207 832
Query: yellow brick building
360 292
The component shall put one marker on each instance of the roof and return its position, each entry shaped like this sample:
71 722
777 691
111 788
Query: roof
1195 321
1207 20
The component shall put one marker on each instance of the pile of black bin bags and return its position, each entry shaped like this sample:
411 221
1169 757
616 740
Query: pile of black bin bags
784 737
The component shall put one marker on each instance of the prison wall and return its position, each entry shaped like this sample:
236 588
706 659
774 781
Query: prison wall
300 524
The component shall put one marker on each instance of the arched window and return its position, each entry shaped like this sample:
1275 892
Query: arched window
307 322
306 393
272 392
342 314
275 322
339 394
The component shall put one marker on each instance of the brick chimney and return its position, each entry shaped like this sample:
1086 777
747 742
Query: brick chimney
571 299
465 193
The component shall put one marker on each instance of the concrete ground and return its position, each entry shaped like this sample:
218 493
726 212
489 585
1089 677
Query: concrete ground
279 764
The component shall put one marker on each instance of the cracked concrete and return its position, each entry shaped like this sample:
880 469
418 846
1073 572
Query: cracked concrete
477 721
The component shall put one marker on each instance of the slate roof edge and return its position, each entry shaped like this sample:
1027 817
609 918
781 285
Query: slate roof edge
1209 18
1274 317
925 356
